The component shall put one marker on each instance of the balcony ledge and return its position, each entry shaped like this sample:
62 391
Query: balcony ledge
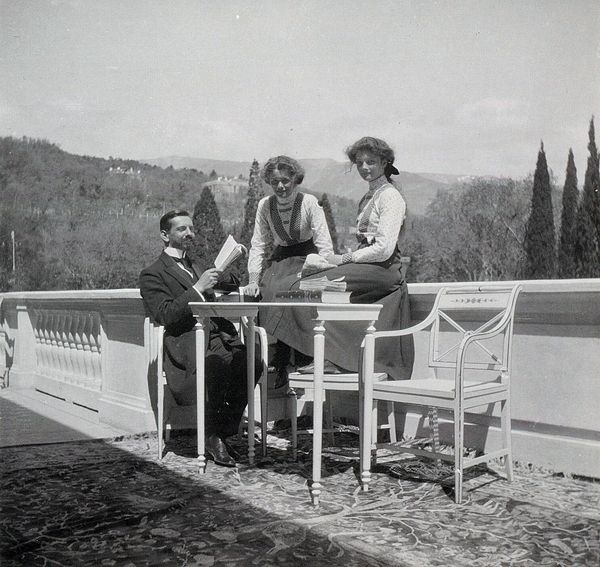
101 360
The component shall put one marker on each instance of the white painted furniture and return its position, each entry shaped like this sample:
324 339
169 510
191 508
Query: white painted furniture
167 407
477 361
323 313
319 382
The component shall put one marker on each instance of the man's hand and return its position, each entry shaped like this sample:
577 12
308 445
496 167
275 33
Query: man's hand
207 280
251 289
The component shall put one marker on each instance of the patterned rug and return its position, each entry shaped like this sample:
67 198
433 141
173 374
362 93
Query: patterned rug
114 503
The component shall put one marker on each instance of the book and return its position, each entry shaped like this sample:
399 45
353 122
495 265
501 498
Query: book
323 284
229 253
313 296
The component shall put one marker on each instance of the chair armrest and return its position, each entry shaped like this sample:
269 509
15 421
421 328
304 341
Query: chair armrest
408 330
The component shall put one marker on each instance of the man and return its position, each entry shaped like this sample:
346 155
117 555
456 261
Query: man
167 286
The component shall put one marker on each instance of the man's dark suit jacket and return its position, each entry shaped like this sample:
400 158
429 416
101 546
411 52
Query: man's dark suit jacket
166 290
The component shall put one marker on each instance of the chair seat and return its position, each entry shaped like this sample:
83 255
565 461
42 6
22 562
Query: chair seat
346 381
438 388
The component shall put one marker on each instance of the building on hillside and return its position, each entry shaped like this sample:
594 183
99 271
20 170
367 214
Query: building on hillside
130 172
227 189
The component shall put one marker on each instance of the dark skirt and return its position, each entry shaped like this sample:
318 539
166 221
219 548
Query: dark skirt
285 264
369 283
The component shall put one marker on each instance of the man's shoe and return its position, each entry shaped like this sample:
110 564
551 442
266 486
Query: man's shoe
216 450
282 378
232 452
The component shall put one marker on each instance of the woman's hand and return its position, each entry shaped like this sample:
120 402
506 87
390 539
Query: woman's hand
251 289
335 259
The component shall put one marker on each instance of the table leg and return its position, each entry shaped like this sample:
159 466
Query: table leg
366 415
319 361
250 348
200 393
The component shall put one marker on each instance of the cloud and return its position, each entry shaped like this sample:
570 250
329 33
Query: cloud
494 112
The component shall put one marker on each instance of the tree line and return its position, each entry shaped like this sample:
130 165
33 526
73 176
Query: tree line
576 253
81 222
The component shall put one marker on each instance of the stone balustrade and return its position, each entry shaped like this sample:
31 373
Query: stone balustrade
69 346
93 350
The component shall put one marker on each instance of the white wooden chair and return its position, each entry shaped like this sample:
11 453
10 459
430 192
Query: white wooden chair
171 415
301 389
478 361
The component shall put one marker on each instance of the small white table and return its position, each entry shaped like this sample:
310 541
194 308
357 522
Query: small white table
323 312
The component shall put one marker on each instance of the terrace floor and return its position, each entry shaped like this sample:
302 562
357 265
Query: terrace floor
109 501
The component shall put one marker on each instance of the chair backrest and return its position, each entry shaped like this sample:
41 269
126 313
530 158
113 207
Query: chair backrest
484 309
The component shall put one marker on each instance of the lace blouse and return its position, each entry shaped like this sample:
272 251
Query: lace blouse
381 214
284 225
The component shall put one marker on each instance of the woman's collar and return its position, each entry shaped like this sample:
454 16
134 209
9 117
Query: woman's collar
377 183
284 202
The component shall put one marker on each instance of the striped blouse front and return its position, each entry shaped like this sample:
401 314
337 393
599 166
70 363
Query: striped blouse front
284 225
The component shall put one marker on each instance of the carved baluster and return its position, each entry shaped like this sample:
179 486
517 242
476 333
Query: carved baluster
78 330
87 346
60 341
70 331
38 338
46 344
40 346
96 350
54 354
69 344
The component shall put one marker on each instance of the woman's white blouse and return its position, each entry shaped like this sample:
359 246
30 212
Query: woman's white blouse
312 224
379 223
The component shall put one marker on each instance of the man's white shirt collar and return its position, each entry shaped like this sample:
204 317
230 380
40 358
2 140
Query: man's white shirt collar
174 252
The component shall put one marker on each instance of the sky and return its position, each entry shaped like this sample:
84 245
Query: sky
459 86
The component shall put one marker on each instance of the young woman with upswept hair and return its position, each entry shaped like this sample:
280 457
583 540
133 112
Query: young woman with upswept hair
293 224
372 272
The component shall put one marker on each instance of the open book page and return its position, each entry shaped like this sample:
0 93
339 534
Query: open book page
229 253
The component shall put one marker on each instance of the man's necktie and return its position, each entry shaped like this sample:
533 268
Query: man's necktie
185 262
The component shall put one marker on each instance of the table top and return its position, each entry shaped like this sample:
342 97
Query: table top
323 311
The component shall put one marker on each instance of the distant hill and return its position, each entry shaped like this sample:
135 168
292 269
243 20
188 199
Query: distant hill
222 167
329 176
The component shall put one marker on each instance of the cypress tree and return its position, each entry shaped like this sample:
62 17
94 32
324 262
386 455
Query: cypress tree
540 245
570 197
587 232
252 198
260 187
209 230
250 205
585 246
330 221
591 186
